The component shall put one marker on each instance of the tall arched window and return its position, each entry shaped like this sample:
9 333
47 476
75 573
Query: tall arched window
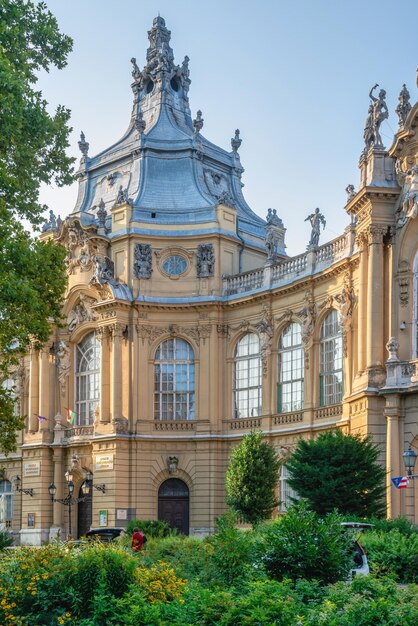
290 370
174 381
331 361
247 377
87 379
6 504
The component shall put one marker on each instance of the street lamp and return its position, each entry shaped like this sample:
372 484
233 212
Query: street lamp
409 459
69 500
89 478
17 482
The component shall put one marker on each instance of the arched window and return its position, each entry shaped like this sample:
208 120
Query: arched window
174 381
6 504
331 361
87 379
290 370
247 377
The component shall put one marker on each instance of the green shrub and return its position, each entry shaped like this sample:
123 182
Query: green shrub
151 528
402 524
6 539
229 552
185 554
303 545
392 553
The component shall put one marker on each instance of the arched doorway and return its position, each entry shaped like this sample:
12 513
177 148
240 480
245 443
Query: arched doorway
84 515
173 504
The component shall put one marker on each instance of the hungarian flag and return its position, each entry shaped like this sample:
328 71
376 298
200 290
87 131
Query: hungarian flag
400 482
70 416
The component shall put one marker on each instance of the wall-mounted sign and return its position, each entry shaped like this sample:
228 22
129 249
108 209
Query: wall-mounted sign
32 468
121 514
104 462
31 520
102 518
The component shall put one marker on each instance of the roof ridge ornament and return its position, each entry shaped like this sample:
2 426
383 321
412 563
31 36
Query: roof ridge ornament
198 122
404 105
83 145
236 141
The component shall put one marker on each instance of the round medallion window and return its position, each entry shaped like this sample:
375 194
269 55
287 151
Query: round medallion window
175 265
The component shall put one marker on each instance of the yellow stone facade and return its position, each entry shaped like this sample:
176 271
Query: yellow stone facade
368 276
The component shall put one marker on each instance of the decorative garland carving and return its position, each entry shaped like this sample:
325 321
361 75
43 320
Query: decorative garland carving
403 281
265 328
345 301
308 316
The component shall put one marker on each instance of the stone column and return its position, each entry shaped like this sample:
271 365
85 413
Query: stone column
58 508
103 337
362 303
116 383
33 422
392 460
44 388
375 298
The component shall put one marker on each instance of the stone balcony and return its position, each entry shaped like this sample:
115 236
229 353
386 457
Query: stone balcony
401 374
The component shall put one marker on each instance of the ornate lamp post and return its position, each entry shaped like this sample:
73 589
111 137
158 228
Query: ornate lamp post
69 500
409 459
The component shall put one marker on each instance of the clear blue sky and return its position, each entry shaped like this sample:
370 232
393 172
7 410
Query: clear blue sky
294 77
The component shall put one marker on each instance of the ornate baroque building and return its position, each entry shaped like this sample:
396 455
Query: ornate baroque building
187 325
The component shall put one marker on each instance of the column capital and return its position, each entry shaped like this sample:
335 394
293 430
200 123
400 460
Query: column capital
376 233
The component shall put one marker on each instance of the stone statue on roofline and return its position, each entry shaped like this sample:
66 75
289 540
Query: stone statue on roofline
404 105
316 219
378 112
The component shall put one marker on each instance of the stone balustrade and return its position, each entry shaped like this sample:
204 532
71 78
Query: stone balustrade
311 262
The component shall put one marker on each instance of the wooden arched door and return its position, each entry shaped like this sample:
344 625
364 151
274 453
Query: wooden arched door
173 504
84 517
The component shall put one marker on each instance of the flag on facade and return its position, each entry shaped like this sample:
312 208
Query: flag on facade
41 418
400 482
70 416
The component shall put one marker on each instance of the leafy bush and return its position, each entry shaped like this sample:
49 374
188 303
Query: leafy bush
392 553
229 552
402 524
6 539
151 528
303 545
186 555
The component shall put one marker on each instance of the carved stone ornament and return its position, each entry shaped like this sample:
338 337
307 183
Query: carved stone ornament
122 196
120 426
223 330
151 333
265 329
172 464
226 199
236 141
273 219
308 316
409 200
403 281
350 191
82 312
101 215
104 271
62 355
376 233
404 105
392 347
271 244
205 260
81 250
286 316
198 122
377 113
345 302
83 146
143 260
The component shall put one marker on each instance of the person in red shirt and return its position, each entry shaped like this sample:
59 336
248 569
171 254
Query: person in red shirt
137 540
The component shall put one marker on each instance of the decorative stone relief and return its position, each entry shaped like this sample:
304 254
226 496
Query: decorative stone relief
172 464
409 201
223 330
345 302
404 105
143 260
82 312
150 332
226 199
286 316
392 347
361 240
62 355
308 317
315 219
265 329
376 233
104 271
81 250
403 281
120 425
205 262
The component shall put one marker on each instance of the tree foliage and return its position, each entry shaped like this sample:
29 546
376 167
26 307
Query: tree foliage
338 471
33 146
251 479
